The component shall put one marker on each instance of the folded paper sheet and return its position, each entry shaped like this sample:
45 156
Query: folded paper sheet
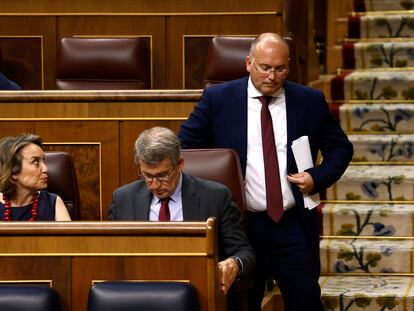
303 158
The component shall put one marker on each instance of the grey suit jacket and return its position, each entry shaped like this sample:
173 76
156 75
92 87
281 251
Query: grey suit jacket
200 199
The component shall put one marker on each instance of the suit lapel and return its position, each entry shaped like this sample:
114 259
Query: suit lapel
142 201
292 115
191 203
239 111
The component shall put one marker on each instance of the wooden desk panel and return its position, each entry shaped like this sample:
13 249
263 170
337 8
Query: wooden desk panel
71 256
42 271
86 270
18 61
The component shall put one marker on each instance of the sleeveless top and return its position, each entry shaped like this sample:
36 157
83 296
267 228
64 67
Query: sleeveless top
47 206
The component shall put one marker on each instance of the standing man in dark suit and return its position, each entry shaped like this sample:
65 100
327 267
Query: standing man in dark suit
166 194
260 116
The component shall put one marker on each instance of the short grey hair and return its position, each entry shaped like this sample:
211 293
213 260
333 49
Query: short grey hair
156 144
267 36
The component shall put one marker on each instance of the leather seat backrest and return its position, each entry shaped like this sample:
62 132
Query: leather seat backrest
220 165
147 295
62 180
28 298
103 63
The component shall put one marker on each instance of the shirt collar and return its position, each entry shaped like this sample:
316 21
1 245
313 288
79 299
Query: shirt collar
252 92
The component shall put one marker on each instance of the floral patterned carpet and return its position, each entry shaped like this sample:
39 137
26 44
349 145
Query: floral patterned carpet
367 247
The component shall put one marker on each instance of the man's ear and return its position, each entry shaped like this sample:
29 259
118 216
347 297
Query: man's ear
248 63
181 163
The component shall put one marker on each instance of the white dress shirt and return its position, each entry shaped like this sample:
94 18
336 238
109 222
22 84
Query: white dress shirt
175 204
255 174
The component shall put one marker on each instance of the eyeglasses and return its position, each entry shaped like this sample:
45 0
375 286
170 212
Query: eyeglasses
266 70
162 178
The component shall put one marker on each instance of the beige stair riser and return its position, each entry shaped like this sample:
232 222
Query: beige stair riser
375 183
387 26
340 293
383 148
366 256
383 54
368 220
379 85
388 118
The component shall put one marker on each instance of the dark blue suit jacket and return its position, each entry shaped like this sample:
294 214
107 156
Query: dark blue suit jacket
220 121
6 84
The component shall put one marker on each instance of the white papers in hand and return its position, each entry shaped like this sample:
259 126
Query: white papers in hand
303 158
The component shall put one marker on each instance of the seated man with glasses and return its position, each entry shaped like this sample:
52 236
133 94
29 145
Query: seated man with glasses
164 193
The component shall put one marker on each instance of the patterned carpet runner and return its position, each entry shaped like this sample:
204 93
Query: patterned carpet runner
367 247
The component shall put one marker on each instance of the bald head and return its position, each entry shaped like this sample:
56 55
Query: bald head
268 63
268 39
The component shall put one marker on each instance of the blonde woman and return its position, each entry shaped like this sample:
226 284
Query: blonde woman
23 176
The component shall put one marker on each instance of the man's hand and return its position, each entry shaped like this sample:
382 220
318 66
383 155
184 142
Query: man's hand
228 271
303 180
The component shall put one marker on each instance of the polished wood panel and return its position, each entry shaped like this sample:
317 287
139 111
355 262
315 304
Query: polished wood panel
87 161
302 27
195 60
31 270
23 60
337 29
138 6
74 255
98 104
20 28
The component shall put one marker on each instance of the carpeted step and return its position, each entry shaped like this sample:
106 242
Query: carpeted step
374 183
384 117
379 85
352 219
379 54
383 148
367 293
386 25
374 255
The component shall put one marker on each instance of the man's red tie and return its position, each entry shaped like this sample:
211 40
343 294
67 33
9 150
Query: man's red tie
274 198
164 214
